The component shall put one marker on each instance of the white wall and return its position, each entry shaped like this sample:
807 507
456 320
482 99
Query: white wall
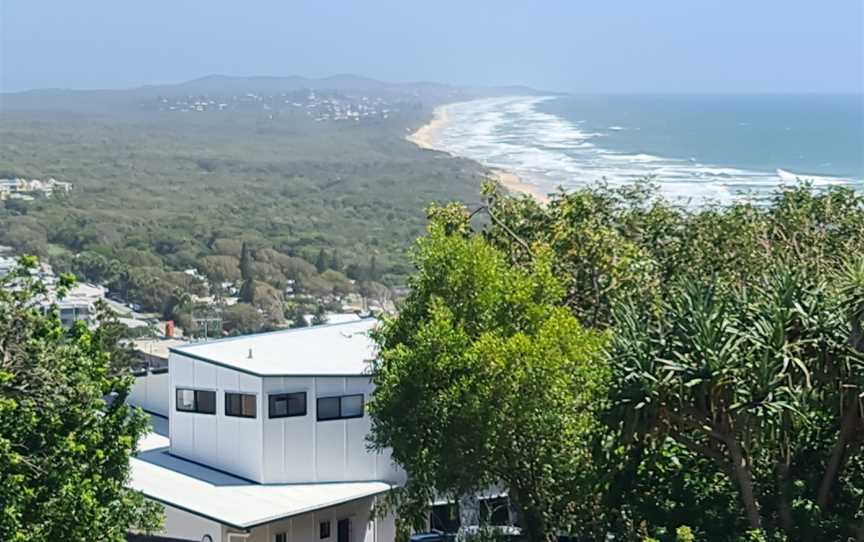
150 392
183 525
222 442
303 449
282 450
305 528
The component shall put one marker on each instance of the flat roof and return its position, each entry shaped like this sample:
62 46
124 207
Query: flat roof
157 347
229 500
343 349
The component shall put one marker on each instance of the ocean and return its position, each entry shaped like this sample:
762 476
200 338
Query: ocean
696 148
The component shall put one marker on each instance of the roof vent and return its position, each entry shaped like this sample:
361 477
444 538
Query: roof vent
250 354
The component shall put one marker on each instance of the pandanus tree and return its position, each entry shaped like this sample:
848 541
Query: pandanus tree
763 380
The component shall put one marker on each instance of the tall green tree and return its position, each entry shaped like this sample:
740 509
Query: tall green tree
372 272
321 261
64 448
483 378
335 261
247 275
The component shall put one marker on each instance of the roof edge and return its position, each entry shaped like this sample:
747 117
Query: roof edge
272 519
268 375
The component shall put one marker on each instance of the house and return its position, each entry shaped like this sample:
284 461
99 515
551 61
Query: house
265 440
79 303
150 389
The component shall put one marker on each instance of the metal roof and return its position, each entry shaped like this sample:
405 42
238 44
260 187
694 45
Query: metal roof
343 349
227 499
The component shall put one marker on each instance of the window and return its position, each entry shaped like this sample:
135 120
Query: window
200 401
285 405
444 517
280 537
241 405
324 529
338 408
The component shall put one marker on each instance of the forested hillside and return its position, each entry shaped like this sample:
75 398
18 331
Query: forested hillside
162 183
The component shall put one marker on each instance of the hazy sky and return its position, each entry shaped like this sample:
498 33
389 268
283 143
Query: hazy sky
573 45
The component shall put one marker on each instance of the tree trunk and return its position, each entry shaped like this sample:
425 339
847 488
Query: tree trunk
534 526
744 476
784 507
838 455
533 523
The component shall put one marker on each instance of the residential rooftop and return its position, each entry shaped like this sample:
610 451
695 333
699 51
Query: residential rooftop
227 499
343 349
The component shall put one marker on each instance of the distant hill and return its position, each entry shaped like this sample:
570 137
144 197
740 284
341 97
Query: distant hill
106 101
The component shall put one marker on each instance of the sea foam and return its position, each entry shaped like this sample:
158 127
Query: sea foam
549 151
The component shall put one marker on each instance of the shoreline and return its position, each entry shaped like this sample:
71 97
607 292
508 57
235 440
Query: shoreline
424 135
513 183
516 185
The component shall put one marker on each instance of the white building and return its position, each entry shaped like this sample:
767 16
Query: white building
266 440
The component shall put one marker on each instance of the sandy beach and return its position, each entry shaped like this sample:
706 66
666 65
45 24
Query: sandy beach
514 184
425 138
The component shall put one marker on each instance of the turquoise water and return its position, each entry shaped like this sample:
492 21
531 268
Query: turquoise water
695 147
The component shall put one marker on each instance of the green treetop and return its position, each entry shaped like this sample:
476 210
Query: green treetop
484 379
247 290
64 448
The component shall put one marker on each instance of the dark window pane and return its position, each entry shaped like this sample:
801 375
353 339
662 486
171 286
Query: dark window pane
287 404
297 404
185 400
324 529
328 408
205 402
232 404
249 407
240 404
352 406
278 406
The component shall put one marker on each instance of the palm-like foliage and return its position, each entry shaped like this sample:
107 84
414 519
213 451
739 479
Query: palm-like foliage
739 374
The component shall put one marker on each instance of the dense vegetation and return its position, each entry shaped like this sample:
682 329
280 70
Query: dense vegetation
156 193
66 432
724 404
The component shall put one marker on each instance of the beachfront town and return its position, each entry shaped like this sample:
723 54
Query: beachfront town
321 106
29 189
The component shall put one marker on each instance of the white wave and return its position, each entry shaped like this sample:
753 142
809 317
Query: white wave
510 133
641 157
817 180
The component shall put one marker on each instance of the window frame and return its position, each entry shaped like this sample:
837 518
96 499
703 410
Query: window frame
341 416
271 397
283 535
241 394
196 409
324 531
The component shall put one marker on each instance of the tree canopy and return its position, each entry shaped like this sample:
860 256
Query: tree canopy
485 380
733 369
66 432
